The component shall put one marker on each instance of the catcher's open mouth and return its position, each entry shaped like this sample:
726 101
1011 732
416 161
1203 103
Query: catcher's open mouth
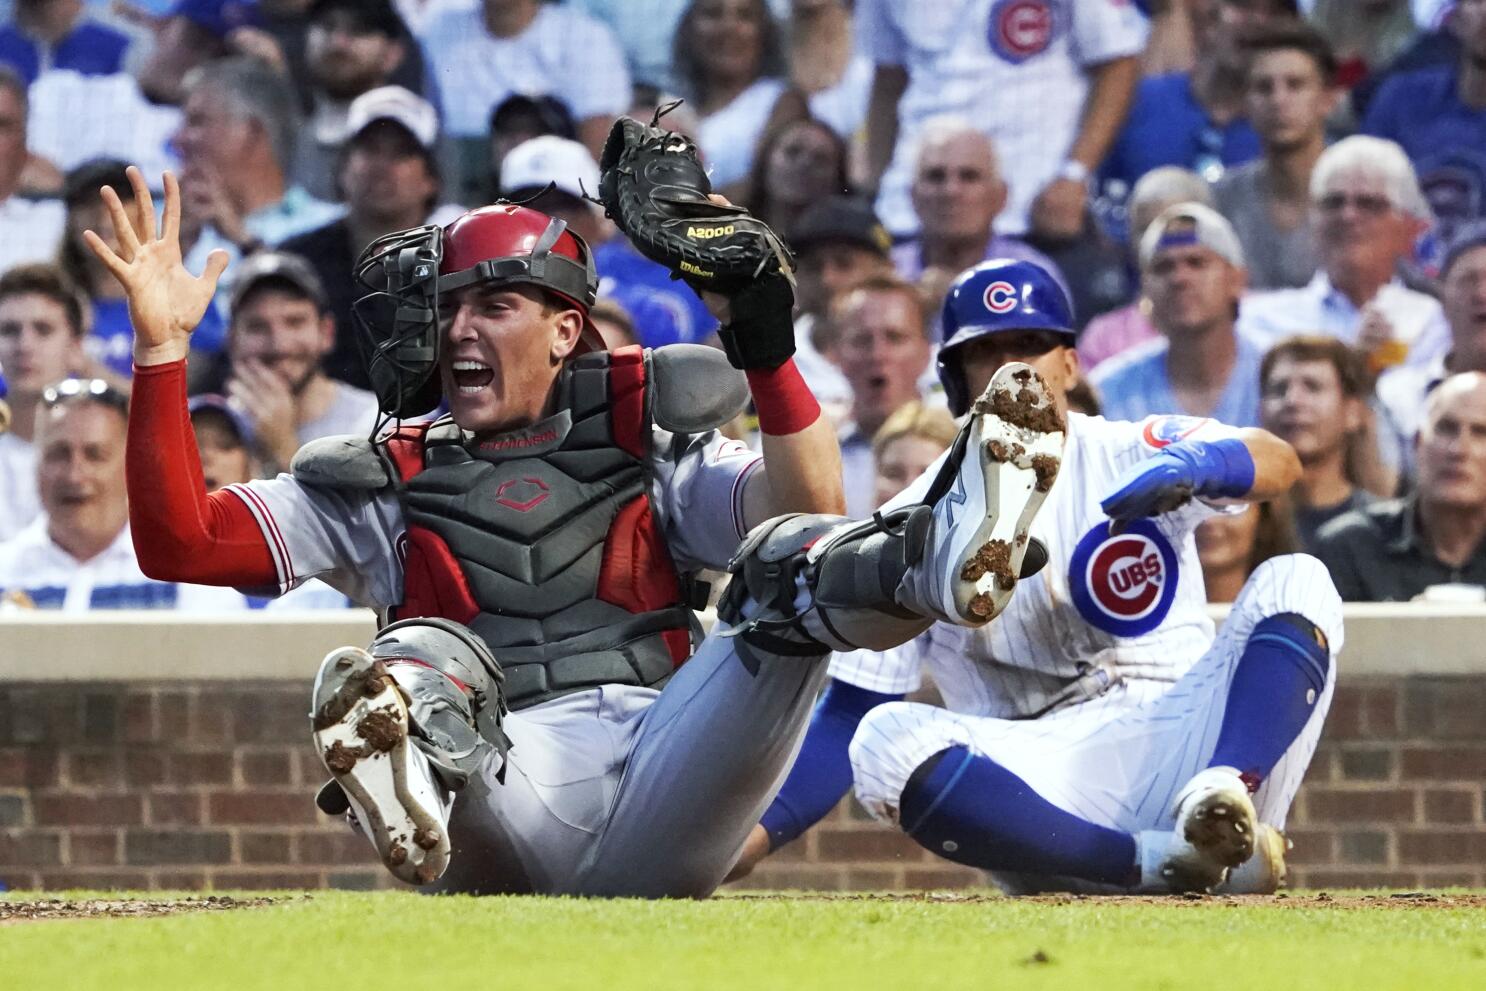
472 376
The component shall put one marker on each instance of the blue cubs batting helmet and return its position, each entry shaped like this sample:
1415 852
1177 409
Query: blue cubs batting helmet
995 297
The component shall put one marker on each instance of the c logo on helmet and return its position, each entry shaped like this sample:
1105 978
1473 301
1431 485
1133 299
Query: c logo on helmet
1000 297
1021 29
1124 583
1166 430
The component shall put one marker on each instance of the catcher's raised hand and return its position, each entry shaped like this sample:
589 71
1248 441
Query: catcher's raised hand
166 302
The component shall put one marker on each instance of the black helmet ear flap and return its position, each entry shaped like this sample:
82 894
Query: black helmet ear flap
397 321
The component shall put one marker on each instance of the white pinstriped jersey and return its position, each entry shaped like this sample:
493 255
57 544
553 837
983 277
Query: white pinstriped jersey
1128 606
352 540
1016 68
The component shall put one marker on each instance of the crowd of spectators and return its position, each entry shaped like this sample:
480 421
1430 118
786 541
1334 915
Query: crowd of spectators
1271 212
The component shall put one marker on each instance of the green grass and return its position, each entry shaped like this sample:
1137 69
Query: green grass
394 941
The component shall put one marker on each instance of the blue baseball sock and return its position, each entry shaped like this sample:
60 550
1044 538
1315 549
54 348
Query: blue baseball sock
1279 679
973 811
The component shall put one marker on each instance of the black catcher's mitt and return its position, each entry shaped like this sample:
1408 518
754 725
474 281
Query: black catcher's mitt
653 186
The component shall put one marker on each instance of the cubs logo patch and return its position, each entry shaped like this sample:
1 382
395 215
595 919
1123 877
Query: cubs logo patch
1166 430
1000 297
1123 583
1021 29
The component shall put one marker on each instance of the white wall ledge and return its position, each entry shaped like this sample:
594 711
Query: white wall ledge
1382 639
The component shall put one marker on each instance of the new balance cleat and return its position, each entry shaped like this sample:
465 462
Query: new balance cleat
990 487
1215 814
360 722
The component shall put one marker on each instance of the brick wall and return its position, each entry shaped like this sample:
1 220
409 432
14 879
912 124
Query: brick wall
209 785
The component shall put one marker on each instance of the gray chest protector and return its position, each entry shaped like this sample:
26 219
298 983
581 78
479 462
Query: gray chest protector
543 540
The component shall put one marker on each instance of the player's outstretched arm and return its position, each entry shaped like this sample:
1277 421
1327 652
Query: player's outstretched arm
1253 464
166 302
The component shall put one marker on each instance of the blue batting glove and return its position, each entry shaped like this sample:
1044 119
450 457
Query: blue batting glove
1220 469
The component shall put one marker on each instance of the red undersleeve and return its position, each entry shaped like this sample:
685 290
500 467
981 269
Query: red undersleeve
182 533
784 403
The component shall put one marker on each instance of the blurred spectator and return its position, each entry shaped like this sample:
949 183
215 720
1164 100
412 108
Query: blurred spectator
484 52
1113 333
644 29
884 345
1289 95
280 332
615 325
40 344
907 443
1403 391
353 47
54 34
825 65
1193 273
520 118
390 180
1172 47
798 164
1195 119
1367 212
729 62
32 229
957 195
1232 545
1315 399
1050 87
551 174
192 34
1393 551
838 243
236 144
224 441
1366 34
78 555
1438 115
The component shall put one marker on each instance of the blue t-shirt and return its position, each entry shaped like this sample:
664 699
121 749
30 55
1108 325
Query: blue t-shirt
665 310
91 49
1167 126
111 340
1445 139
1136 384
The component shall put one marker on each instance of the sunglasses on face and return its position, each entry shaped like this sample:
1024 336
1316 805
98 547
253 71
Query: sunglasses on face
1368 203
72 390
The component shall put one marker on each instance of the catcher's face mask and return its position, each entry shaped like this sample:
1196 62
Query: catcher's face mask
408 273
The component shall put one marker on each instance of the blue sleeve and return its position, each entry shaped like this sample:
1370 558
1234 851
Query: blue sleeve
822 771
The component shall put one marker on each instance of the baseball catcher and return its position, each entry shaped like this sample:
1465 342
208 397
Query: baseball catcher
538 712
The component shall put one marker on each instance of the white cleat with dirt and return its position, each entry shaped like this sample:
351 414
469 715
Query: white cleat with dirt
1004 462
1264 873
1215 814
360 721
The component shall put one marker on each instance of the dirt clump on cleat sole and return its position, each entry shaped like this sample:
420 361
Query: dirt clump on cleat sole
1046 466
1022 410
380 729
994 557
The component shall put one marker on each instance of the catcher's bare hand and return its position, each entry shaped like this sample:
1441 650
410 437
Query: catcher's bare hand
166 302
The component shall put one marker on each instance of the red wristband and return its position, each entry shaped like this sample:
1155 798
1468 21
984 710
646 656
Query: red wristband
784 403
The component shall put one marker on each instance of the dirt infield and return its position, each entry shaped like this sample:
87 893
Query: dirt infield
40 910
14 911
1285 900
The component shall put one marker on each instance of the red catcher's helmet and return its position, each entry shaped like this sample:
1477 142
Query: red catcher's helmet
507 243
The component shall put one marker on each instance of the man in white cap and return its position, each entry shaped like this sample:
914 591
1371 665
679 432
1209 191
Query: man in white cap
553 175
1192 271
388 173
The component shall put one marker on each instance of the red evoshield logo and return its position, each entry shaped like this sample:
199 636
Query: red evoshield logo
522 494
1123 583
